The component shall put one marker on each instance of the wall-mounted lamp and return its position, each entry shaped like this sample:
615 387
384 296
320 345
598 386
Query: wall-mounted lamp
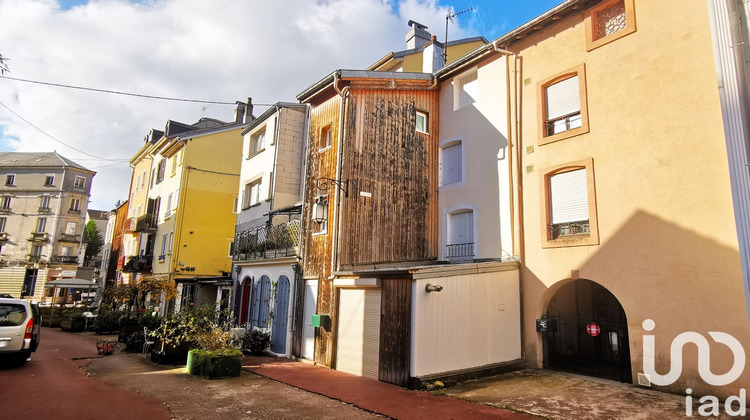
433 288
323 183
320 210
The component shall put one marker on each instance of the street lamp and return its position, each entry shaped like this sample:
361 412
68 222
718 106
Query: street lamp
320 210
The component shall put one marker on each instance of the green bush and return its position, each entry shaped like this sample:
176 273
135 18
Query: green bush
134 342
108 320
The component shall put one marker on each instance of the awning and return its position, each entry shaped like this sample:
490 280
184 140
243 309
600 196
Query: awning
71 284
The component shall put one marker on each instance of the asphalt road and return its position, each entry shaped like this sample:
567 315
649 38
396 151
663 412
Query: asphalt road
54 385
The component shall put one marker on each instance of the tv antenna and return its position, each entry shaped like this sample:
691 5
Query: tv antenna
449 17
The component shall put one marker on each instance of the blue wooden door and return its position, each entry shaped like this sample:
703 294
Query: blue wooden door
280 316
260 302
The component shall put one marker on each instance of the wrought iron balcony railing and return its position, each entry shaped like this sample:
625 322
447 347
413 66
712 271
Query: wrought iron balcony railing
460 250
65 259
138 264
146 223
569 229
268 242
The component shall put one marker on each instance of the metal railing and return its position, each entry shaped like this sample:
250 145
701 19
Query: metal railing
138 264
459 250
569 229
266 242
563 123
147 222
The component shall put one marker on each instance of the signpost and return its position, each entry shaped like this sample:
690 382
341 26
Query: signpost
593 329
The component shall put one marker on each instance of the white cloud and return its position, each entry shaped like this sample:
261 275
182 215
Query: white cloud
220 50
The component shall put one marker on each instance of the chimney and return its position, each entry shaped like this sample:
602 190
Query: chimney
417 35
432 56
239 112
248 117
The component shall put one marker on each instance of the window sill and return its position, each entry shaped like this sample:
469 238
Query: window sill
422 132
572 240
565 134
325 149
256 153
325 232
251 206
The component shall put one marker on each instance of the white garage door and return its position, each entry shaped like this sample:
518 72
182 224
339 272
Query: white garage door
308 332
358 341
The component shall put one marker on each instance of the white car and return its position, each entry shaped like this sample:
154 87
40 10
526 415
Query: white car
20 325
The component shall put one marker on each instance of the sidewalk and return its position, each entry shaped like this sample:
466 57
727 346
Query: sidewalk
369 394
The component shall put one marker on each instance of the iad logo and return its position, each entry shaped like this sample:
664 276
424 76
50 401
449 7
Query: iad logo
711 403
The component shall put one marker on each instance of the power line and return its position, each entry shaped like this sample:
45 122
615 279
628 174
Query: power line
59 141
116 92
210 172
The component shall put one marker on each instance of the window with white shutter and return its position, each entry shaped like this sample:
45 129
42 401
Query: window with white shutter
563 105
570 203
460 241
451 164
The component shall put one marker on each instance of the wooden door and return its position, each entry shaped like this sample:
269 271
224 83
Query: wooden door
395 331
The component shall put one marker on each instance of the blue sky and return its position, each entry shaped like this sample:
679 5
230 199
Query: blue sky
220 50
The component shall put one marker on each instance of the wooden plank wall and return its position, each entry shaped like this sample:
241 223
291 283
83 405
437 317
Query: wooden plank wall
317 248
395 331
386 157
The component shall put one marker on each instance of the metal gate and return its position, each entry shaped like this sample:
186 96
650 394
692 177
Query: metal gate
280 316
572 348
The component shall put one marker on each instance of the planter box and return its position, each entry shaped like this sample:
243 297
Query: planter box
213 367
169 354
71 325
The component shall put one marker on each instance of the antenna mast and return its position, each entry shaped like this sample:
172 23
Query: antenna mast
449 17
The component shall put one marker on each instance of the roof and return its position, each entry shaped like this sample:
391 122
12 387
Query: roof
71 284
98 214
264 116
398 55
546 19
360 74
38 160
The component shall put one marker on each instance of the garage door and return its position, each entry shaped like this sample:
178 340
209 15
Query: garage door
358 341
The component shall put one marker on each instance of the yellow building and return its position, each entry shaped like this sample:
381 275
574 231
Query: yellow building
185 183
621 200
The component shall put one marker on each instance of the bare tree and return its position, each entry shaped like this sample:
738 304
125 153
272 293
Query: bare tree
4 64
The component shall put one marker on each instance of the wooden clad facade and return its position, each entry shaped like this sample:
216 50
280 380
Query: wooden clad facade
382 154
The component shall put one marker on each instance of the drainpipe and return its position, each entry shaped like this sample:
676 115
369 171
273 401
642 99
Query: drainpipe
344 93
516 130
272 189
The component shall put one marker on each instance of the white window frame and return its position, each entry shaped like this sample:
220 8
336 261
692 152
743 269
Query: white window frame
326 137
75 205
48 177
425 117
2 224
41 224
45 202
459 84
452 210
450 142
67 251
6 202
10 180
70 228
79 182
248 198
171 240
257 142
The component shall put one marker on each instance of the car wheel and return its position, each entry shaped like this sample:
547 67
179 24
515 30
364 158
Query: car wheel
22 358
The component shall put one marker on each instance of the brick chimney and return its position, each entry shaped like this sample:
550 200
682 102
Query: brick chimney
243 113
417 35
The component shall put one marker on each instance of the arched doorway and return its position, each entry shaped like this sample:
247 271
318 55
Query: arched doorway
588 332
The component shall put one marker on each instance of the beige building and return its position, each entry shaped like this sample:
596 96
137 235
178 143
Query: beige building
621 198
44 199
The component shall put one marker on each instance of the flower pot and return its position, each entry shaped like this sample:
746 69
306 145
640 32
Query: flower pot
193 363
216 367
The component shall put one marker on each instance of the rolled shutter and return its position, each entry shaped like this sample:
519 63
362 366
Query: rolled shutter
569 197
563 98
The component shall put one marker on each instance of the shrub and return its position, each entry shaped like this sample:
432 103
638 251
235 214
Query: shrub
134 342
257 341
107 320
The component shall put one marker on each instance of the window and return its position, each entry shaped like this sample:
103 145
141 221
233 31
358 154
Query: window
153 177
10 179
36 250
70 228
67 251
466 90
235 206
562 99
49 180
252 193
44 203
168 212
326 137
2 224
160 169
608 21
75 205
171 240
570 202
460 241
79 182
143 180
41 224
6 202
421 123
164 244
174 165
257 142
139 210
451 163
182 156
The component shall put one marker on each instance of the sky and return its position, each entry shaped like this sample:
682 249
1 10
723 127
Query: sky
219 50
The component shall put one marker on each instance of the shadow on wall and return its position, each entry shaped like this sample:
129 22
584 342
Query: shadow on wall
657 270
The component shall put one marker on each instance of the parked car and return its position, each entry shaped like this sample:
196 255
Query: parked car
20 325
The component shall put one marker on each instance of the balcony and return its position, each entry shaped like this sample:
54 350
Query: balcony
44 209
459 250
138 264
66 237
39 237
145 223
64 259
268 242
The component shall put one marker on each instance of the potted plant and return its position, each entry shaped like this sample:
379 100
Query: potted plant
256 342
217 355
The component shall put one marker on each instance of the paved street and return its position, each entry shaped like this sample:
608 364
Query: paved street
53 385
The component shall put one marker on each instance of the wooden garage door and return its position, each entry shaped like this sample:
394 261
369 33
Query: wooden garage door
358 341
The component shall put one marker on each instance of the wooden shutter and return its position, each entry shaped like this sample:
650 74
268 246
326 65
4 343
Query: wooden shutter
452 164
569 200
563 98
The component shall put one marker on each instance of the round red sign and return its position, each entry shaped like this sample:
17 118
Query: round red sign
593 329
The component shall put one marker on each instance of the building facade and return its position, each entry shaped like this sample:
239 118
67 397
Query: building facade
44 203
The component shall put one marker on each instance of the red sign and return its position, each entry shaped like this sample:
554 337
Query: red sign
593 329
